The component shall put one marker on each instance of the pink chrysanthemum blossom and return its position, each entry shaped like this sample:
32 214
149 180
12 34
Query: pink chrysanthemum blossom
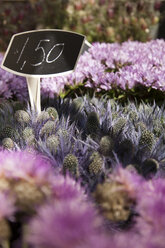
65 188
28 177
116 197
129 180
24 165
63 224
151 207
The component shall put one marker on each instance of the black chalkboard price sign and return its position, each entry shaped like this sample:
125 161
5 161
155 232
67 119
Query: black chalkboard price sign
41 53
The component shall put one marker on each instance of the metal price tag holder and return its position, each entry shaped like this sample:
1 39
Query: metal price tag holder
43 53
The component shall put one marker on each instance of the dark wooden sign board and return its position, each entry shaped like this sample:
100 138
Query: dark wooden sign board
43 53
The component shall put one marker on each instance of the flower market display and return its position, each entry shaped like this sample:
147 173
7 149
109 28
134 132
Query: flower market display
117 70
89 169
84 172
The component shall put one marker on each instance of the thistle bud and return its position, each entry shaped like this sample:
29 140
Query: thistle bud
22 117
8 143
70 164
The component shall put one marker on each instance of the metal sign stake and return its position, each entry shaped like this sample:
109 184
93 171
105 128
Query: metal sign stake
34 93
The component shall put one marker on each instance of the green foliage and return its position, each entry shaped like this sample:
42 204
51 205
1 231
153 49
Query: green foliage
13 19
136 94
53 13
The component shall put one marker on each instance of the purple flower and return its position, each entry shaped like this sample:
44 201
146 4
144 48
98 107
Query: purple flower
24 165
151 209
105 66
151 206
18 87
131 181
63 224
127 239
132 62
53 85
65 188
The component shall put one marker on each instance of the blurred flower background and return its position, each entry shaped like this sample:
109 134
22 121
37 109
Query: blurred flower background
99 20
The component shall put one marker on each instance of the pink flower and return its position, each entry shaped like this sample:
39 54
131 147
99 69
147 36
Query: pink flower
24 165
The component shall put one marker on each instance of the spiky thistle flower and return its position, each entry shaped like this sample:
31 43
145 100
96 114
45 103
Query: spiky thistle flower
52 113
27 131
48 128
62 132
93 124
7 132
157 128
149 167
65 133
70 164
119 125
43 117
52 143
146 140
8 143
22 117
126 150
106 145
127 142
75 106
140 125
97 163
28 135
133 116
